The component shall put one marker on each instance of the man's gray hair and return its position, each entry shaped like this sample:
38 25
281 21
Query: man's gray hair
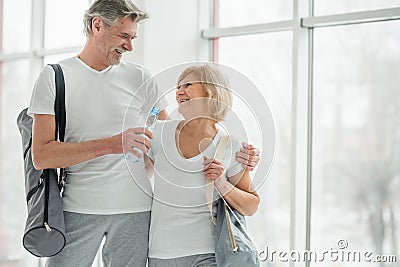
110 11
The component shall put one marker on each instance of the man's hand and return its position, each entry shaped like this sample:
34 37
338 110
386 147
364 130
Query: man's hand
133 140
249 156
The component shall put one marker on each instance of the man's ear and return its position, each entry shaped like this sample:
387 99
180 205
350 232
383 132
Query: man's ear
97 24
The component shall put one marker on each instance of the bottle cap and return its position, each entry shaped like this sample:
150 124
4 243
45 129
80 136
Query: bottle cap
155 111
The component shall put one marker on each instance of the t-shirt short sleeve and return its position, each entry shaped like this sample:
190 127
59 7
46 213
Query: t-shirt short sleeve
234 167
43 95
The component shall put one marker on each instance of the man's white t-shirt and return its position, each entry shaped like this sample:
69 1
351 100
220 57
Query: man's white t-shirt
180 219
96 105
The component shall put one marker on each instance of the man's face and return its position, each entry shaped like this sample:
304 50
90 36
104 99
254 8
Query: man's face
117 40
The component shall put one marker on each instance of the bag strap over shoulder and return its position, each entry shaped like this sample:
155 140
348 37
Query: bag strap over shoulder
220 151
60 114
219 154
59 103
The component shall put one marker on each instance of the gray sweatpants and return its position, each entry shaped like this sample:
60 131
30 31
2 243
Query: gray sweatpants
126 242
201 260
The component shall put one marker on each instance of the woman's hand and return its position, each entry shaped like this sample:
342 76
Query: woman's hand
238 191
213 168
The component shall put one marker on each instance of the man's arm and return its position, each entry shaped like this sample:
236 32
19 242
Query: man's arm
249 156
49 153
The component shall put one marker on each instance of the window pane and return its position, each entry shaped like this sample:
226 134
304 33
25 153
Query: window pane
15 87
266 60
328 7
64 28
235 13
356 140
16 26
56 58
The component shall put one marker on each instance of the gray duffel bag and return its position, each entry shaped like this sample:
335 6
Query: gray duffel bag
44 234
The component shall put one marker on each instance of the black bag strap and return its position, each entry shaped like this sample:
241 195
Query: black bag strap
60 114
59 103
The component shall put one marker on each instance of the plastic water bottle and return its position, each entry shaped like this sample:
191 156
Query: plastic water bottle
151 125
152 119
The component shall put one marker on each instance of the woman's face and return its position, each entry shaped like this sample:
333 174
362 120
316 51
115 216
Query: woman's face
191 97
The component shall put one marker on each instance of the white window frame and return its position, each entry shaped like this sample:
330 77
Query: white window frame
302 26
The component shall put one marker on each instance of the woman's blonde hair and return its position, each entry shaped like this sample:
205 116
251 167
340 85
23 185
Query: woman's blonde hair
215 86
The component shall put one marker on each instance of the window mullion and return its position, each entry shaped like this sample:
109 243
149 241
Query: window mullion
351 18
37 36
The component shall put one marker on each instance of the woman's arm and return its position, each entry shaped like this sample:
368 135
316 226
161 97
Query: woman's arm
163 115
242 196
238 191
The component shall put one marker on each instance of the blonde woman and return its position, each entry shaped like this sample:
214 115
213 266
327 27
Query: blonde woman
182 151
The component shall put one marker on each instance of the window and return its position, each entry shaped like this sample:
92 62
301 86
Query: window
64 29
16 26
356 138
15 77
344 129
237 13
266 60
327 7
57 57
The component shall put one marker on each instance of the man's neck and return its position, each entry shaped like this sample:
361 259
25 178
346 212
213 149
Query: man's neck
90 58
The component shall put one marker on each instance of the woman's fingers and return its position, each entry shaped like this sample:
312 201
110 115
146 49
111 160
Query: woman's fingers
213 168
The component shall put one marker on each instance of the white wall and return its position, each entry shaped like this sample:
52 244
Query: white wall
172 33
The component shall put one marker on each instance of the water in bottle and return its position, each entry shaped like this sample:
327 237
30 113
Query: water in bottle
151 125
